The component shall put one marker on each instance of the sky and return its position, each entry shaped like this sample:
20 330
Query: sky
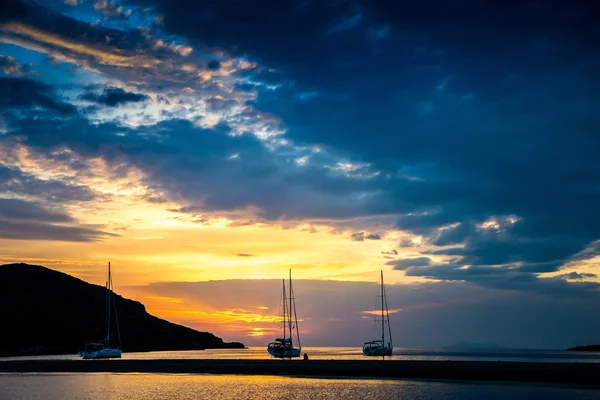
205 148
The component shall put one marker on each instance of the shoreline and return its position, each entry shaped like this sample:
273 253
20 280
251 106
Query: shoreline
492 371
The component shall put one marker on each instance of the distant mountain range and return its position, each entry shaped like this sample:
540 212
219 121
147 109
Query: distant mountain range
592 347
48 312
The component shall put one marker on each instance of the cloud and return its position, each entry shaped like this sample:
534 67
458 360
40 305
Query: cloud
505 124
576 276
196 166
20 230
114 96
22 92
506 279
16 209
15 181
392 252
111 9
361 236
24 220
245 255
454 235
404 263
406 243
9 66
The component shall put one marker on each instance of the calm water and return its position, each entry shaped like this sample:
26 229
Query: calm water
219 387
354 353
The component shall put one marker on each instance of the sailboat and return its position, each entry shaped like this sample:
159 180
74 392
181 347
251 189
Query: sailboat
102 348
284 347
379 347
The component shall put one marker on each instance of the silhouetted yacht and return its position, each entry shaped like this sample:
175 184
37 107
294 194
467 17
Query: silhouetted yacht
379 347
284 347
102 348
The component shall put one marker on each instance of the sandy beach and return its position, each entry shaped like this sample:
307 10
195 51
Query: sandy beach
564 373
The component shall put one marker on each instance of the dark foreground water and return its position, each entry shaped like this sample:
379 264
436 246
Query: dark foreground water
220 387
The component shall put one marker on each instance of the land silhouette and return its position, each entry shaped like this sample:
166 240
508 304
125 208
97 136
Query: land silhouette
591 347
45 312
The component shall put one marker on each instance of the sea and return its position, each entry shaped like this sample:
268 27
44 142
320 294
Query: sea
355 353
136 386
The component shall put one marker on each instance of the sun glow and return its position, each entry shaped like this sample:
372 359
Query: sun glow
257 332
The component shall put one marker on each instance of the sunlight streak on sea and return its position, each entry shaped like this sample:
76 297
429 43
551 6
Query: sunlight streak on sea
222 387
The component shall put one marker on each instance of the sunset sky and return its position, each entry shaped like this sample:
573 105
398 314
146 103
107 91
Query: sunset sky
207 147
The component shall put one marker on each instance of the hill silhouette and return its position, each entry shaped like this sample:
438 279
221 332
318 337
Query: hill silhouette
591 347
48 312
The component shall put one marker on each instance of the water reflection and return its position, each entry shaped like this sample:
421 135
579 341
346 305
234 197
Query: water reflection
176 387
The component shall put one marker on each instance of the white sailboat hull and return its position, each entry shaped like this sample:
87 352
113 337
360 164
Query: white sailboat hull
284 353
377 351
104 353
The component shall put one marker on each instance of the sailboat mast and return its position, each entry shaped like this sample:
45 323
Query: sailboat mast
382 318
284 306
108 307
387 314
114 301
290 308
296 322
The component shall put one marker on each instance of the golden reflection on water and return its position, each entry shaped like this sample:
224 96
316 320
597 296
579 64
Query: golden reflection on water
183 386
224 387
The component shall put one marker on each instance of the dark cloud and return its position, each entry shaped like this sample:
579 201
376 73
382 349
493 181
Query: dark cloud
24 220
392 252
357 236
361 236
506 279
114 96
16 209
196 166
13 9
454 235
245 255
25 93
512 245
473 133
404 263
13 180
577 276
213 65
21 230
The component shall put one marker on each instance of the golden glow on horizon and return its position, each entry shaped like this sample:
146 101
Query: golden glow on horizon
257 332
378 312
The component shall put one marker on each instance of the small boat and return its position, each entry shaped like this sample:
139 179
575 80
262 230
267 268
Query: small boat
379 347
102 348
284 347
